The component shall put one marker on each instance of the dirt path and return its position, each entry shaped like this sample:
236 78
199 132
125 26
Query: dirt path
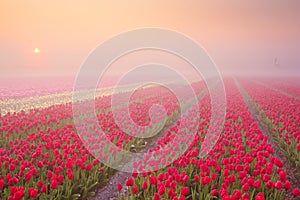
289 168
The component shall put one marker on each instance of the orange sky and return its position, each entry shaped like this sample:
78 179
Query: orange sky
237 34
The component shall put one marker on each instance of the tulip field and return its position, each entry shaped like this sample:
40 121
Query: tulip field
256 156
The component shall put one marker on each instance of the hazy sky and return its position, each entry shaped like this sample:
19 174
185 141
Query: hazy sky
238 35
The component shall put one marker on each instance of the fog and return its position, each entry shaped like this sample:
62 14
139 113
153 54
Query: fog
241 37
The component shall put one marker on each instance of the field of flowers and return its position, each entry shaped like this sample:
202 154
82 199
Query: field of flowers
42 156
290 86
281 114
241 166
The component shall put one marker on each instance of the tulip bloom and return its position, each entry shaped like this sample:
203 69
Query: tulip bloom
129 182
296 192
119 186
184 191
134 189
144 185
32 192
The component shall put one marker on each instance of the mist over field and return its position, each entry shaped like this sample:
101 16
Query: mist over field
241 37
181 100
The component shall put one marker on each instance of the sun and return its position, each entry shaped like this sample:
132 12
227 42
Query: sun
36 50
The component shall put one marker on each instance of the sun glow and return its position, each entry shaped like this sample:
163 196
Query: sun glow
36 50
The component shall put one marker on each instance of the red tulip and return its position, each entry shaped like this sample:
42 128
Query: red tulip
152 180
214 192
44 188
144 185
161 177
39 164
282 175
32 192
40 183
161 190
185 179
53 184
49 174
70 175
269 184
19 194
266 178
214 175
296 192
156 196
237 194
184 191
28 176
119 186
242 174
278 185
181 197
129 182
287 185
134 189
1 183
205 180
245 187
12 167
134 173
196 178
256 184
245 196
260 196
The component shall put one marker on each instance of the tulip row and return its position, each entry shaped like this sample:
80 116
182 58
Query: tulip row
56 116
290 86
241 165
281 114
